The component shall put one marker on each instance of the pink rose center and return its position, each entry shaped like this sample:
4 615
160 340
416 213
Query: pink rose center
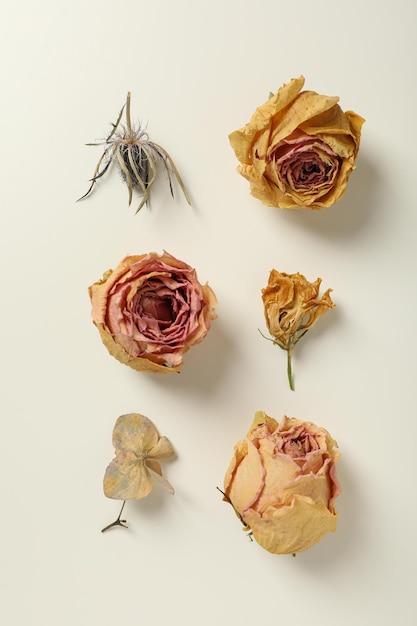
303 164
158 308
297 444
297 447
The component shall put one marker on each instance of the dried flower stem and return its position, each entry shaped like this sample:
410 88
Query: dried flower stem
118 521
289 368
246 528
128 119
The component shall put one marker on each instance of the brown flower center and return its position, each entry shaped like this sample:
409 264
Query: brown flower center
300 445
303 163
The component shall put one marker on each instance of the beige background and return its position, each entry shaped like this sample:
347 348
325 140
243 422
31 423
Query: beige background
196 71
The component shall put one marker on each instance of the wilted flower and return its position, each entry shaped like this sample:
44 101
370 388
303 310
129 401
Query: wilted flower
292 306
137 157
282 482
139 450
150 310
299 148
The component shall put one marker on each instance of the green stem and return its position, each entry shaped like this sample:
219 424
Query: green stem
289 368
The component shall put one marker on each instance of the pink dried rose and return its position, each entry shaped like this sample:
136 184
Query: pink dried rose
151 310
282 483
299 148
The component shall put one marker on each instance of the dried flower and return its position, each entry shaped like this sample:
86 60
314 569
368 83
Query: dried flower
139 450
299 148
292 306
151 310
137 157
282 482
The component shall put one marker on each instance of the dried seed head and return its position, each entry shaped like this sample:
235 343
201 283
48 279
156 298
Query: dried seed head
137 157
136 163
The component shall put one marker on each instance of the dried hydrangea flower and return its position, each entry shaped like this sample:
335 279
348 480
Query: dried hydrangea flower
282 483
137 157
139 450
292 306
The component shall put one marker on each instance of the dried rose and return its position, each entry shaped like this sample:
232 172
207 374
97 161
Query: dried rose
150 310
282 482
292 306
139 449
299 148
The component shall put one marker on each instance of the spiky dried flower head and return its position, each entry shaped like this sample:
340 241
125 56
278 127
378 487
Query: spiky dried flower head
137 157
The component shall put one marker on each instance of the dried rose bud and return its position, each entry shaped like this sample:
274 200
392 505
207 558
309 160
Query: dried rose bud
298 149
292 306
282 482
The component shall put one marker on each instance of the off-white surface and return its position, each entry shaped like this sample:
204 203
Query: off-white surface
197 70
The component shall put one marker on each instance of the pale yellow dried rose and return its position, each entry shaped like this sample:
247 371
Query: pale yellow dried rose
291 306
139 450
299 148
282 482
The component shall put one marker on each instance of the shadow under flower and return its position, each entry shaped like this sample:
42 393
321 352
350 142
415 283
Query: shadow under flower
351 214
204 365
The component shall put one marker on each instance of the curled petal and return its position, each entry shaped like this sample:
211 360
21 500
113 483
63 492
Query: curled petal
156 473
151 310
293 528
325 142
245 478
163 450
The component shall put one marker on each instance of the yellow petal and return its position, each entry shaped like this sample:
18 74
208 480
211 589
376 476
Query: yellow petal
280 470
260 419
156 473
242 140
127 478
291 529
134 432
137 363
137 443
244 479
308 105
163 450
